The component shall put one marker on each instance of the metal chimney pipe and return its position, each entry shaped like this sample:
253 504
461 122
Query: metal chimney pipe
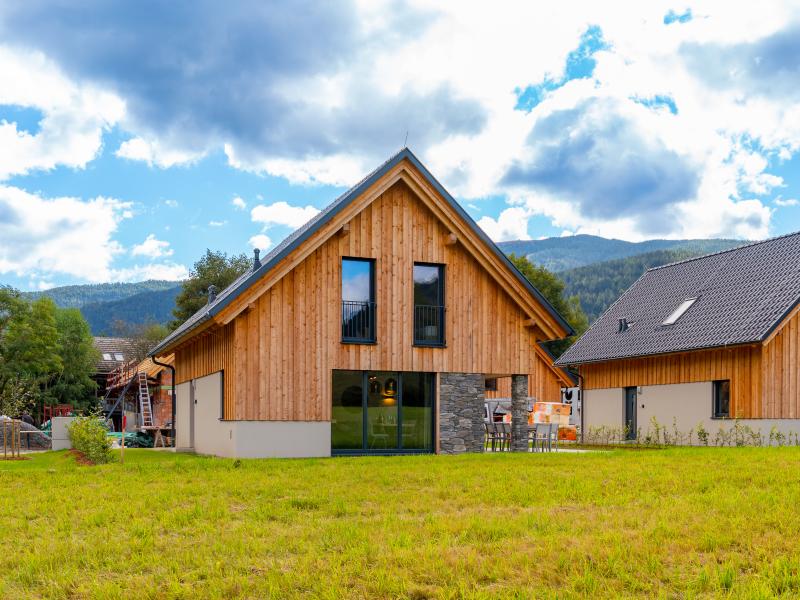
212 293
256 260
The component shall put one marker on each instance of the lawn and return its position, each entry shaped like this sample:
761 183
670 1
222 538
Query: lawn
669 523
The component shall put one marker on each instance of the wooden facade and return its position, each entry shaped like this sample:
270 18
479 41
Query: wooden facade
278 344
765 377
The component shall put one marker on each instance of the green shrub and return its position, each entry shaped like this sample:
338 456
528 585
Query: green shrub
89 436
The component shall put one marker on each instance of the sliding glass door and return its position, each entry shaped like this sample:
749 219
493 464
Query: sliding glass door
382 412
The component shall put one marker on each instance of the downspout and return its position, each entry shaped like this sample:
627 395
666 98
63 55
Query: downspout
172 368
583 404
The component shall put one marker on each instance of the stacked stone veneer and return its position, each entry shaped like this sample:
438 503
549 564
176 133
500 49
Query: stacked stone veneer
519 413
461 412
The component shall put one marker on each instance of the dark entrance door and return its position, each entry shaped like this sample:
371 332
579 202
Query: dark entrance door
630 412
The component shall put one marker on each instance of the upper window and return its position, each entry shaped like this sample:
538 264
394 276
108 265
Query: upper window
358 300
678 312
428 305
722 399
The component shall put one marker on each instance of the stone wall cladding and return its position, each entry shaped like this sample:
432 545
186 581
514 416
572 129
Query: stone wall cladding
519 413
461 398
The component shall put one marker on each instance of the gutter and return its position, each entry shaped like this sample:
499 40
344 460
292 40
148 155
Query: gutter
171 368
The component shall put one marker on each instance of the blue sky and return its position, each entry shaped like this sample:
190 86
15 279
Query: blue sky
135 136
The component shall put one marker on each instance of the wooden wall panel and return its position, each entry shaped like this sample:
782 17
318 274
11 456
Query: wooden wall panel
781 371
542 384
288 341
208 353
741 364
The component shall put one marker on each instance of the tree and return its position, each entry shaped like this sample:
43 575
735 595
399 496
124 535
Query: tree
214 268
73 384
143 336
552 288
30 342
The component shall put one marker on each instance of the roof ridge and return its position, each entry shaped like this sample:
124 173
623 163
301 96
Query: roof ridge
718 252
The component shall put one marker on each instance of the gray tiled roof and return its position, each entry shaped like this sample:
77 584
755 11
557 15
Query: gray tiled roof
111 346
300 235
742 295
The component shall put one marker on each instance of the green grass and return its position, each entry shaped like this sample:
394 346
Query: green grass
661 523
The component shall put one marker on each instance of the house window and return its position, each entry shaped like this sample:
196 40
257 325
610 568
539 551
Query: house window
722 399
491 384
678 312
107 356
428 304
118 356
358 300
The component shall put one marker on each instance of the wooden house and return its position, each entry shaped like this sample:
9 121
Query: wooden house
704 341
372 328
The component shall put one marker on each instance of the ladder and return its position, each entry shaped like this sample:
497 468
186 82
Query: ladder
144 401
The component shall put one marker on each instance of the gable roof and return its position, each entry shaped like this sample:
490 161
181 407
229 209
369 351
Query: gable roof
742 295
302 234
111 346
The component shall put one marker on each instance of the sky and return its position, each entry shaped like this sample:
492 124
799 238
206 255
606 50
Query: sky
133 136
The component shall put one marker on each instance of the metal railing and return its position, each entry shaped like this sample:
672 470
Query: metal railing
358 321
428 325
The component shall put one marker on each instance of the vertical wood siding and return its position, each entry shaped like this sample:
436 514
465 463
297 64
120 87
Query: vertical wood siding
542 383
741 365
278 355
782 372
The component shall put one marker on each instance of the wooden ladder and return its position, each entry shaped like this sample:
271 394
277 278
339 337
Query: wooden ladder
145 407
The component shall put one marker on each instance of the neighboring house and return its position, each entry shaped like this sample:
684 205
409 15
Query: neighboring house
124 394
114 353
702 341
372 328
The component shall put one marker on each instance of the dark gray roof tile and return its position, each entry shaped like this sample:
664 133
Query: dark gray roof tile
742 295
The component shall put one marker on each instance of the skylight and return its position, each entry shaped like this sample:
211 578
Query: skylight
118 356
106 356
678 312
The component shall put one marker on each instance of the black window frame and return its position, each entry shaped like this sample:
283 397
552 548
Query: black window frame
441 342
365 450
715 399
490 384
373 308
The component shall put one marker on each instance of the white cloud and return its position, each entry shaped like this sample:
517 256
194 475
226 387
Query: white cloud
511 224
65 235
786 202
152 248
171 203
238 203
169 271
260 241
153 152
74 117
282 213
217 223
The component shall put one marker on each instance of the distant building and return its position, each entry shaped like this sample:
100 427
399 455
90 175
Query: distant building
114 352
701 341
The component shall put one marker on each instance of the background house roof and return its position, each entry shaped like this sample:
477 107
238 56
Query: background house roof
296 238
111 349
742 295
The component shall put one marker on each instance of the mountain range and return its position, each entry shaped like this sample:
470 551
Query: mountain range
596 269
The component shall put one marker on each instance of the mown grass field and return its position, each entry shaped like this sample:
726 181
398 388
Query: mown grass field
656 523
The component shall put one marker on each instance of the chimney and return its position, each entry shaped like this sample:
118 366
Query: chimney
623 325
212 293
256 260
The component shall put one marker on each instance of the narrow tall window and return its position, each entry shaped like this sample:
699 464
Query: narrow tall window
722 399
428 305
358 300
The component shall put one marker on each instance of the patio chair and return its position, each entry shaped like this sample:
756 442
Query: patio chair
493 435
505 436
542 437
378 435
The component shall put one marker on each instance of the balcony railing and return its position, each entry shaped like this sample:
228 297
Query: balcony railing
358 321
428 325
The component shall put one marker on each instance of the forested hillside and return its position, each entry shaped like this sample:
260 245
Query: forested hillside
146 307
75 296
599 284
562 253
